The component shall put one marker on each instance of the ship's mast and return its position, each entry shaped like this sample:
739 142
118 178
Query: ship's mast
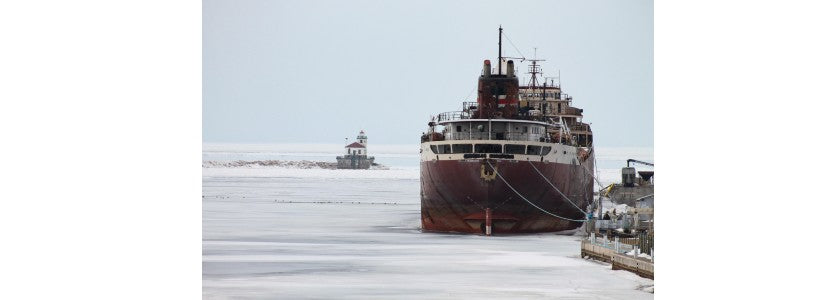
534 69
533 84
500 49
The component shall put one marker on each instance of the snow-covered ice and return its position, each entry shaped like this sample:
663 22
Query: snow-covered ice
282 233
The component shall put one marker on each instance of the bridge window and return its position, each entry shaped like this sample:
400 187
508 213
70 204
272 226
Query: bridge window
534 150
488 148
444 149
433 148
458 128
462 148
514 149
545 150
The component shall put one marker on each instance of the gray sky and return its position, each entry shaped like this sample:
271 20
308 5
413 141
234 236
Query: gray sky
319 71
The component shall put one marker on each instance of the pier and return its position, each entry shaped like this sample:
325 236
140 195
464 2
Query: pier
616 253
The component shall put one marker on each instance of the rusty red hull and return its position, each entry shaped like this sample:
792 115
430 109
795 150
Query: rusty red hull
456 193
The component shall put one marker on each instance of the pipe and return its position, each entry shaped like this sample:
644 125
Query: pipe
510 70
487 69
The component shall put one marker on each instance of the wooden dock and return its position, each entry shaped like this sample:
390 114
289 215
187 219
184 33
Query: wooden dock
639 266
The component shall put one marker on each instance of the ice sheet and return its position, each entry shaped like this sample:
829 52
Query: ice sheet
354 234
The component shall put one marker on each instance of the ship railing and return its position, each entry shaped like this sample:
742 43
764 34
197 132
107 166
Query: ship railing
464 115
467 106
579 128
452 116
538 97
572 111
510 136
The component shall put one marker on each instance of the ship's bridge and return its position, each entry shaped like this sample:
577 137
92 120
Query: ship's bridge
494 129
458 125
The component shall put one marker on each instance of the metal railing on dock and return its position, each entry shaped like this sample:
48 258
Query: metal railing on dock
643 243
635 254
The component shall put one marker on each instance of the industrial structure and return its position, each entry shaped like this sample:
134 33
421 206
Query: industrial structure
632 187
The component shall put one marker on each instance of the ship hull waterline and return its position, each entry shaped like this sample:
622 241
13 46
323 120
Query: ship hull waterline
456 193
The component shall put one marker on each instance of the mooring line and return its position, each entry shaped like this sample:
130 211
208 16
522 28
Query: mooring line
525 199
555 188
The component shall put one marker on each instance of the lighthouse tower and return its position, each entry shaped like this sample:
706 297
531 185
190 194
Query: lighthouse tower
361 138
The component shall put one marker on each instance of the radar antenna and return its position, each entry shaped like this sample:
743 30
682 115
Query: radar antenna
534 69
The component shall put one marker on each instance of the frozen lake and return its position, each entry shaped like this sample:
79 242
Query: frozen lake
354 234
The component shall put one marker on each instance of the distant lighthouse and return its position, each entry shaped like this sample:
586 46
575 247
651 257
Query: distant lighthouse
361 138
356 154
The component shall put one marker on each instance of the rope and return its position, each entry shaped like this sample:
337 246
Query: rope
594 158
555 188
601 185
525 199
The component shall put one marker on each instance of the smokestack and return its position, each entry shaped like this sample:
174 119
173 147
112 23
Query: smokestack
510 70
486 71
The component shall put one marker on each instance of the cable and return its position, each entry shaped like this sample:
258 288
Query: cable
525 199
555 188
514 46
602 186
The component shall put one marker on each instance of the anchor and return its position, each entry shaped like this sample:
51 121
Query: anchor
488 174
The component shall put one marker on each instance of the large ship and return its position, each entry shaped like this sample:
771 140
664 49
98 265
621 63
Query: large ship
518 160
